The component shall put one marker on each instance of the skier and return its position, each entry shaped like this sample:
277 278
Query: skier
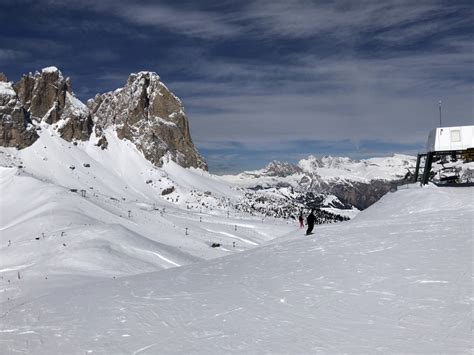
301 219
310 220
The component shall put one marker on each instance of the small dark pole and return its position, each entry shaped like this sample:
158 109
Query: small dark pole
235 227
233 244
440 113
200 219
186 232
129 213
9 242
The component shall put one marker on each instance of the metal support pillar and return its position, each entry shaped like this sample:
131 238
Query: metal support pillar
427 170
417 169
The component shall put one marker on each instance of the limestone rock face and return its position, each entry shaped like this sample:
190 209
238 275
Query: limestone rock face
149 115
16 129
281 169
144 112
48 97
362 195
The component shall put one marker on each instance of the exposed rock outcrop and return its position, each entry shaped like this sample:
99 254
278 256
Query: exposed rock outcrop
144 112
282 169
362 195
16 129
148 114
48 97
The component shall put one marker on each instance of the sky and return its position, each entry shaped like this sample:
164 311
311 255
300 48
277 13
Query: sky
265 80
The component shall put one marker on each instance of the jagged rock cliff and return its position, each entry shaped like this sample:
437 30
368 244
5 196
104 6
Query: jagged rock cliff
48 97
144 112
16 129
148 114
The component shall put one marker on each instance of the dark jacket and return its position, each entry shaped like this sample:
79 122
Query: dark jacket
311 219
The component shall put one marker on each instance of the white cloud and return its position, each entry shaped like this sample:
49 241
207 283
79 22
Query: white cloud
303 18
193 23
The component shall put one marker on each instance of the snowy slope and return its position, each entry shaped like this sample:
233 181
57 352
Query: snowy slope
123 225
396 279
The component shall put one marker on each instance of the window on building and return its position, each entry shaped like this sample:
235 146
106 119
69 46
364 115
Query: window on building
455 135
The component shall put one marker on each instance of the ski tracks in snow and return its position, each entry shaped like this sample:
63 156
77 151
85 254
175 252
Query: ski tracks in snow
233 236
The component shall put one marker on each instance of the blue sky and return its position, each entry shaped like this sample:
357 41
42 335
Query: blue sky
264 80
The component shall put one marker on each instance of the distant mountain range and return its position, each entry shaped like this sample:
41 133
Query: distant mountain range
357 183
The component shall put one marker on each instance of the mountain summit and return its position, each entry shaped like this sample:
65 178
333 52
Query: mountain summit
148 114
144 112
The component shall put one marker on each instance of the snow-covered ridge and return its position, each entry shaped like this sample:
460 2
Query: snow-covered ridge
364 170
359 183
328 169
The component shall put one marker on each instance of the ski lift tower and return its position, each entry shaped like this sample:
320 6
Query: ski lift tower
454 143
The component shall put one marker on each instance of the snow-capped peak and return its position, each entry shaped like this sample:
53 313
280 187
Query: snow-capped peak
143 75
282 169
51 69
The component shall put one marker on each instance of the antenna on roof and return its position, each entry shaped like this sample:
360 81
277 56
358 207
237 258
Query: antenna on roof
439 103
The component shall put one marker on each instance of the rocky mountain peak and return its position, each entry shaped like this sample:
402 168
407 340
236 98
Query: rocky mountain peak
144 111
44 93
48 97
147 113
313 163
281 169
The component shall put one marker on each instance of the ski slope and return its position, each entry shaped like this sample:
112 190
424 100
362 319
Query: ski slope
75 211
396 279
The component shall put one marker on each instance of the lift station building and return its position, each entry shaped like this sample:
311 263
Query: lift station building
455 143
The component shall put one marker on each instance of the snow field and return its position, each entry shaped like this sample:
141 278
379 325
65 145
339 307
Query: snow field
396 279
